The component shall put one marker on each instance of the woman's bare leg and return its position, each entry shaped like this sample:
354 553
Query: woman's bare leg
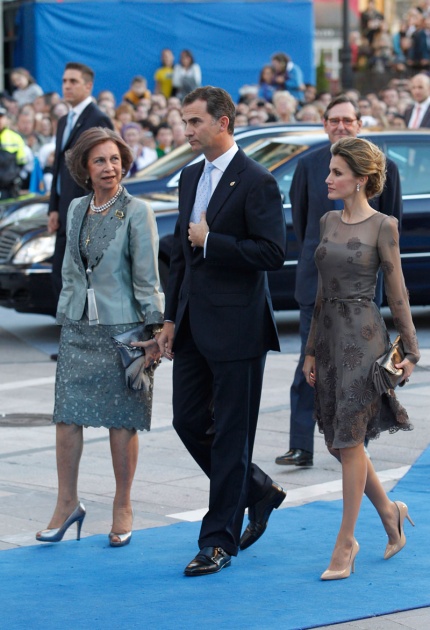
69 446
386 509
375 492
124 448
354 473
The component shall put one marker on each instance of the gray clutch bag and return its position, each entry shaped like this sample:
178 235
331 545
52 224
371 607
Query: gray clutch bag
137 377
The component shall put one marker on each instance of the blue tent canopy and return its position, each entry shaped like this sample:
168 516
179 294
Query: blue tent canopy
230 40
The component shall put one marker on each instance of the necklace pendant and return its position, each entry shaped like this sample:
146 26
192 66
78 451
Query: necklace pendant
87 240
88 271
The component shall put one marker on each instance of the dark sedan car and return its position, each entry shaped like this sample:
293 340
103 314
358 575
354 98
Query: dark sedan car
26 248
163 174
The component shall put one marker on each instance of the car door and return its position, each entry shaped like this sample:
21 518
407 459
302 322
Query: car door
411 153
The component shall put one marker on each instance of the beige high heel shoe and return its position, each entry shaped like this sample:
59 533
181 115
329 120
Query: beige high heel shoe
391 550
344 573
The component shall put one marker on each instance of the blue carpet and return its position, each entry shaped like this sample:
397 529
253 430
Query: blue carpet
273 584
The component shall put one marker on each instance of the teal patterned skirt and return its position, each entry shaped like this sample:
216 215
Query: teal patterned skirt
90 388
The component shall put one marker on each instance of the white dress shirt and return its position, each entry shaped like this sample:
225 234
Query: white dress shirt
220 165
78 109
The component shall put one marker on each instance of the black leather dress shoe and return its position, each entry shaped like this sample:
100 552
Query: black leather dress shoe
208 560
53 357
296 457
259 515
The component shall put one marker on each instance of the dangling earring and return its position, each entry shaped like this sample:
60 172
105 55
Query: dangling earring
358 187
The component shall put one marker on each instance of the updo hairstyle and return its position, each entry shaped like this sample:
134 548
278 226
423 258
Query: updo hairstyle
364 159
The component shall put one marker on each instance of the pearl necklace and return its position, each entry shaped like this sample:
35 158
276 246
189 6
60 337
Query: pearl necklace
108 204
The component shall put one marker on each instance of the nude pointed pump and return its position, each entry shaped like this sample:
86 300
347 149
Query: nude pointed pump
391 550
344 573
55 535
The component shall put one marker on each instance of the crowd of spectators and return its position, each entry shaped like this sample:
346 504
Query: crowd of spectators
404 51
151 121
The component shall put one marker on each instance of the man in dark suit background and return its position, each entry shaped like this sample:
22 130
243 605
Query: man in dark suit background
418 115
219 323
78 80
419 52
309 202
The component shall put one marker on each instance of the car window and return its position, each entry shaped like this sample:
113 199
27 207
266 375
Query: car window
272 154
180 157
413 161
168 164
284 177
245 139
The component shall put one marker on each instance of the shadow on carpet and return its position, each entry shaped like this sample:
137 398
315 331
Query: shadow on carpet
273 584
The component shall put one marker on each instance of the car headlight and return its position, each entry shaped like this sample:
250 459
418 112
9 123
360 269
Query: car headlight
36 250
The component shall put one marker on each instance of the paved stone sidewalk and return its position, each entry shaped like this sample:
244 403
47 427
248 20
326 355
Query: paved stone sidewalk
167 482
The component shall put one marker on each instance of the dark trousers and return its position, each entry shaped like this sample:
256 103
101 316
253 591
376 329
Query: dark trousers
302 425
215 409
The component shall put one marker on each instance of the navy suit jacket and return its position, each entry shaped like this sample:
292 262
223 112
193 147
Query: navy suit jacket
226 294
92 116
425 122
309 202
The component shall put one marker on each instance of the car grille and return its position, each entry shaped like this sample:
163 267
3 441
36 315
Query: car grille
8 240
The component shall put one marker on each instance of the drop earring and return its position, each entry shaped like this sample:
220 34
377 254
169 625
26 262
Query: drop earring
358 187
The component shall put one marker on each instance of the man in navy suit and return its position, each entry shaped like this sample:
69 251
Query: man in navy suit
418 115
309 202
78 82
219 323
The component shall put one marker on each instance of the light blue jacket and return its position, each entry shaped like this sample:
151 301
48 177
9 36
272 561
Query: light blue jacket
125 279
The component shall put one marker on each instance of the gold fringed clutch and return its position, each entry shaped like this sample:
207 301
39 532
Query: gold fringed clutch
385 374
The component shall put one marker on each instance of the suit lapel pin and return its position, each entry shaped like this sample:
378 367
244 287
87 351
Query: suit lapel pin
119 214
232 183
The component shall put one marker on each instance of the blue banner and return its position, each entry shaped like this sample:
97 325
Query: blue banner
231 41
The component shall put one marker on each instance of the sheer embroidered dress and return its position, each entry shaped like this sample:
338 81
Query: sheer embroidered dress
348 332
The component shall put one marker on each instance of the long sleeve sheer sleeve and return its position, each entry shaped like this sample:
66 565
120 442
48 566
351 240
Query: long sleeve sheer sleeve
397 295
310 346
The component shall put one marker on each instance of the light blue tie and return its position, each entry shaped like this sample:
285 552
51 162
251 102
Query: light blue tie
203 193
66 133
68 128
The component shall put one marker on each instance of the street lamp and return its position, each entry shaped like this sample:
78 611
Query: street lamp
345 55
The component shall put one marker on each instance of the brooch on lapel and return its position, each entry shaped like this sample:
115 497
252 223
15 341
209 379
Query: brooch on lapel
232 183
119 214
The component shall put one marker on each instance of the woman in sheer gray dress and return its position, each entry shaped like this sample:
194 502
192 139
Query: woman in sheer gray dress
348 334
110 285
